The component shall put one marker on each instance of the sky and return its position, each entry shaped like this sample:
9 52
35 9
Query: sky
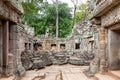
69 2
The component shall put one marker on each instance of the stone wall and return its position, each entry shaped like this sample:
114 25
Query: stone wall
47 42
85 37
28 37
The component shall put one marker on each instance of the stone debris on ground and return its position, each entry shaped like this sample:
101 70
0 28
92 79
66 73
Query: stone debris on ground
62 72
40 59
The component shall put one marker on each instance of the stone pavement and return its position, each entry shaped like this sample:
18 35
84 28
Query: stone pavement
116 73
66 72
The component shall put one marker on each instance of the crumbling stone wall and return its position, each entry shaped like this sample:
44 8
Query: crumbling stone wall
85 37
51 43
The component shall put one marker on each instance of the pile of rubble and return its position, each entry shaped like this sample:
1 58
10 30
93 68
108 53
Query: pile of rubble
37 60
81 59
59 58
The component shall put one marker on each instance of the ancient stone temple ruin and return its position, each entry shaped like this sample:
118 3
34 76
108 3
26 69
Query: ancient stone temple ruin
91 49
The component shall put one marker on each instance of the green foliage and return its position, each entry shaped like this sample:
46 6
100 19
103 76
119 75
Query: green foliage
79 16
43 15
82 13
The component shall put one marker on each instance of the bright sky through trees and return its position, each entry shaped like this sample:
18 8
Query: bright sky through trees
69 2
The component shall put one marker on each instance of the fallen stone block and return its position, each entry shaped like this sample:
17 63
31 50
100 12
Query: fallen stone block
76 61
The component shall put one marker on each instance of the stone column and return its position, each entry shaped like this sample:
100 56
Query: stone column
102 49
12 58
5 45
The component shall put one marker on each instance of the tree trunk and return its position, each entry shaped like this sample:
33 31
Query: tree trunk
57 16
75 7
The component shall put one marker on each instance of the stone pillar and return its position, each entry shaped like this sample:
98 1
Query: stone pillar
102 49
16 48
5 45
12 49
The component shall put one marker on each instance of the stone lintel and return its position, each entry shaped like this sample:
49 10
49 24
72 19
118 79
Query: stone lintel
115 27
103 7
8 13
15 5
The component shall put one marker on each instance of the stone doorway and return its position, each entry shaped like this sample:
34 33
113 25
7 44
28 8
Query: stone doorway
77 45
38 46
26 46
114 49
62 47
53 47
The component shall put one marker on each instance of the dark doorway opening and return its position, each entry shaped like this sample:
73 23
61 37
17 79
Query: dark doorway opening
62 46
37 46
40 46
29 46
53 47
26 47
77 46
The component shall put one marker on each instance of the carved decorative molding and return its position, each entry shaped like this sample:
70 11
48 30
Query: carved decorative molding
111 18
14 4
8 13
103 7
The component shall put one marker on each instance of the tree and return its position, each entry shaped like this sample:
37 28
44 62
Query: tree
82 13
75 3
65 19
57 17
43 16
